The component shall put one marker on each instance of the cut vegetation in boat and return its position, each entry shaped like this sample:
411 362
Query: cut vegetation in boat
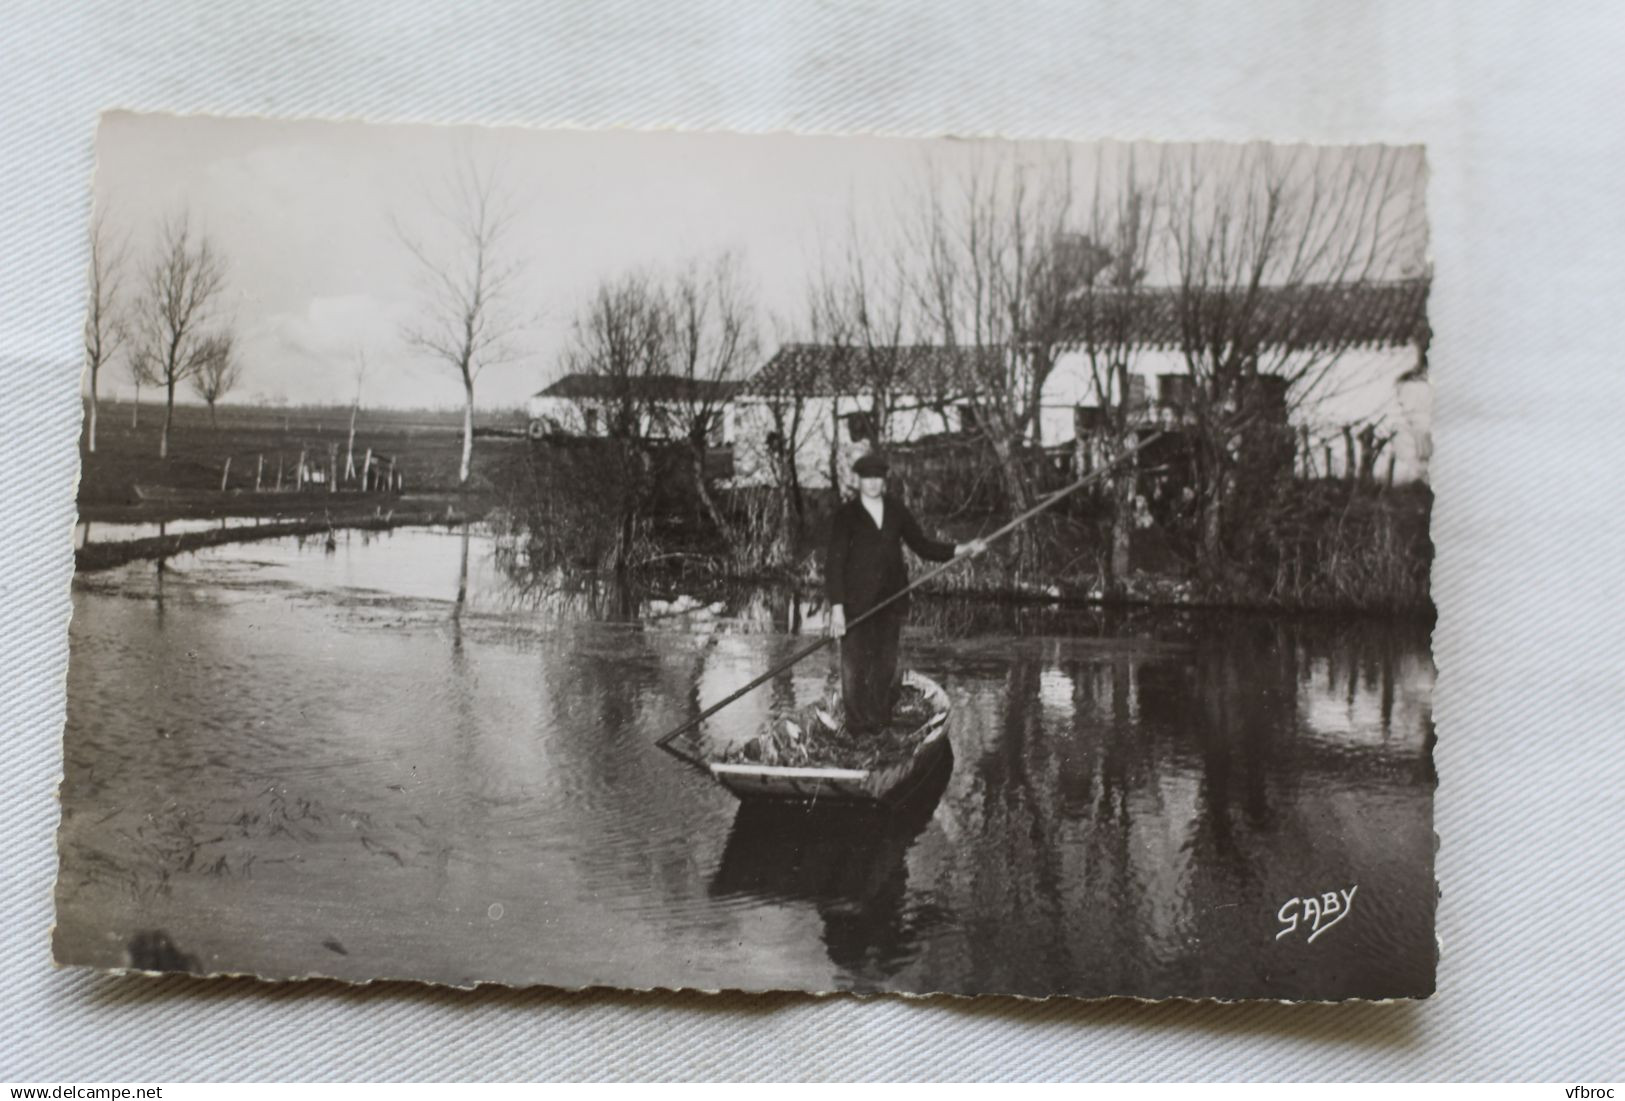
809 755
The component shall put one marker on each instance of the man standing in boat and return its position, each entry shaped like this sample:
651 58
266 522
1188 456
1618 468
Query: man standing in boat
864 566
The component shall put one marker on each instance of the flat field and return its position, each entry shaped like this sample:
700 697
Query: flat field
425 446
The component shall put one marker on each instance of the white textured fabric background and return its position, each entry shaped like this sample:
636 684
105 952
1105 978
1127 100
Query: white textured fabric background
1520 105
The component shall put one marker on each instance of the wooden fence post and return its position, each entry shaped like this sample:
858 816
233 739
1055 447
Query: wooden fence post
299 475
366 471
279 472
332 468
259 472
225 474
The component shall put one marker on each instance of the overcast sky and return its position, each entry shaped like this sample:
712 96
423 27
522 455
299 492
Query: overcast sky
302 214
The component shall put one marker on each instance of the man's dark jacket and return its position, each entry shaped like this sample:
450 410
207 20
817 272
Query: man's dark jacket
865 563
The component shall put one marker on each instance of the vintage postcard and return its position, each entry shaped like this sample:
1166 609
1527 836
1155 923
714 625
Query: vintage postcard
754 562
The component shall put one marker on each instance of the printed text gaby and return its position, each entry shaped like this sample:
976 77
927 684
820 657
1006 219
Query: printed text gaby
1317 913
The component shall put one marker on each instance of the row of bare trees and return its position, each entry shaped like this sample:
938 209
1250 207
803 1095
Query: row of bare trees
166 316
169 324
1240 258
1266 252
1243 260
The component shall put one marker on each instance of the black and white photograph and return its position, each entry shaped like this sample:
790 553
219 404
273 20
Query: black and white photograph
709 561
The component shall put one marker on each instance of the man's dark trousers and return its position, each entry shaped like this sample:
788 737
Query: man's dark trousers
869 669
864 569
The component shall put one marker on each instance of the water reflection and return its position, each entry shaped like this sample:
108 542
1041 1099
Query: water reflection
1139 835
393 747
849 862
86 532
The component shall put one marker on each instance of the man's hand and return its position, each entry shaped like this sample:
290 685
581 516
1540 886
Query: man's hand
837 621
974 547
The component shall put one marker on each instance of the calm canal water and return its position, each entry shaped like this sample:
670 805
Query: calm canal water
390 760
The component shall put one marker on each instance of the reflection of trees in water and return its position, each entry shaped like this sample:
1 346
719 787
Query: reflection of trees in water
850 863
1109 774
458 812
1235 703
1019 874
1127 837
462 583
1129 842
1373 659
159 570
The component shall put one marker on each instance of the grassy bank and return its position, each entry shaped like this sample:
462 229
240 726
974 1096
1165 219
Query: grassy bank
1368 565
1303 545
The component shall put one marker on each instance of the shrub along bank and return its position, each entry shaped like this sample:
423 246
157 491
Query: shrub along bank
600 507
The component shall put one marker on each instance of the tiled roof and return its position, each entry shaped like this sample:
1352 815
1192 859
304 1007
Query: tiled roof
1372 315
673 388
822 370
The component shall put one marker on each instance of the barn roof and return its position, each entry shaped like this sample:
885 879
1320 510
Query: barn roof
825 370
1316 315
1310 315
673 388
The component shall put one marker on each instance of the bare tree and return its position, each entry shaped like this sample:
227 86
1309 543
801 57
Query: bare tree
142 374
105 323
620 342
1108 312
219 370
859 308
787 412
360 373
1271 246
712 343
994 280
788 430
465 321
177 305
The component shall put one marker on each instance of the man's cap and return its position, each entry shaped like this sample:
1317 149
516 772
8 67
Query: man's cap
872 465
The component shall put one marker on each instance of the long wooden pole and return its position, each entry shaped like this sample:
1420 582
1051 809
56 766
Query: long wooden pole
807 651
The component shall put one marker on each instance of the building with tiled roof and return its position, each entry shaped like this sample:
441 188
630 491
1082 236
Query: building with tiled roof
1381 329
585 405
830 370
1312 315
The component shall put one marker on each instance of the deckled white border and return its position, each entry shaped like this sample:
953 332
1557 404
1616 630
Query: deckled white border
1518 105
